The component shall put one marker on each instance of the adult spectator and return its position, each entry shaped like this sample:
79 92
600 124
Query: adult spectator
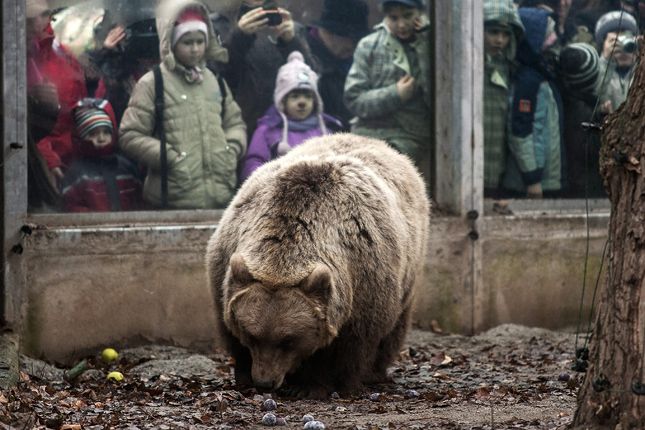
332 40
615 39
388 86
126 54
55 79
258 46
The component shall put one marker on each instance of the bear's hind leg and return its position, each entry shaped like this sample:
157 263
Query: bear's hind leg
351 363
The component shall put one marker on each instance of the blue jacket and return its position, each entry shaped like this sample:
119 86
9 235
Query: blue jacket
536 113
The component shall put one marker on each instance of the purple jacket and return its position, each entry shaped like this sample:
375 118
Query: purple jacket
267 136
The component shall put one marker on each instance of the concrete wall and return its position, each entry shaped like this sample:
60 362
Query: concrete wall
89 287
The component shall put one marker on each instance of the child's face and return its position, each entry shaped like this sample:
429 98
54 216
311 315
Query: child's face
190 48
496 40
99 138
299 104
401 20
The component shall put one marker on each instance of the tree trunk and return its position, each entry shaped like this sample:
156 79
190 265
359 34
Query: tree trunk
609 398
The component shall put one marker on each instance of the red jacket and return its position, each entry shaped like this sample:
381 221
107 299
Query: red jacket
48 61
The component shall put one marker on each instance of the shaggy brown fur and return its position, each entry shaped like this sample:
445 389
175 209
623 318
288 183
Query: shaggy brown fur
314 264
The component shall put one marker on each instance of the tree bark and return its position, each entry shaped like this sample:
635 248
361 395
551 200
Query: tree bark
608 398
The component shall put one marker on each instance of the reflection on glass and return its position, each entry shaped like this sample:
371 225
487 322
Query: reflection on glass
95 137
573 65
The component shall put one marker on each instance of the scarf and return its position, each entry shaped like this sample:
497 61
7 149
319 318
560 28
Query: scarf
192 75
313 121
306 124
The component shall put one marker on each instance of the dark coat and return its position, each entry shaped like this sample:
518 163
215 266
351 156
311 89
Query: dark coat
582 147
332 73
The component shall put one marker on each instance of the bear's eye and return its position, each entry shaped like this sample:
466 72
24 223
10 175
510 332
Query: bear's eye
287 343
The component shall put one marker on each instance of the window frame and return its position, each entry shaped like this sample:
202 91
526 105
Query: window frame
456 149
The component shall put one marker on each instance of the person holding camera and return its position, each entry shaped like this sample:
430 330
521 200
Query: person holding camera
616 41
123 59
258 44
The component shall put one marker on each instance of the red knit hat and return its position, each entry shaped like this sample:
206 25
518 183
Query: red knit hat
189 20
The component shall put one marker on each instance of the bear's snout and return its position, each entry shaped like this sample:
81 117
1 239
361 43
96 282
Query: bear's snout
270 385
262 379
268 369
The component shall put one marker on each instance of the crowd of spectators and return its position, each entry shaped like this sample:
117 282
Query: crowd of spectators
553 70
189 102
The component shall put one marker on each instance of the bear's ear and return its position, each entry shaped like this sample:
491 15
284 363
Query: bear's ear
239 271
318 284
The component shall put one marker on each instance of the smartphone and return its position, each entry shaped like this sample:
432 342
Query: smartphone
272 13
274 18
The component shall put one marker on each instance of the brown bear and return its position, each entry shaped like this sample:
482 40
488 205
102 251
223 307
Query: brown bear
314 263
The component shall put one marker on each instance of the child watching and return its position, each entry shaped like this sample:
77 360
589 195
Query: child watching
388 86
536 162
297 115
502 31
204 132
99 180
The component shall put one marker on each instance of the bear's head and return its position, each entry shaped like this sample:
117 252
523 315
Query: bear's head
281 325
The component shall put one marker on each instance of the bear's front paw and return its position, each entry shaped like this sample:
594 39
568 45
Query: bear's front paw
309 392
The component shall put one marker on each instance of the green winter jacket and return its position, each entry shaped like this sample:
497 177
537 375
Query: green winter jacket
380 60
497 83
203 147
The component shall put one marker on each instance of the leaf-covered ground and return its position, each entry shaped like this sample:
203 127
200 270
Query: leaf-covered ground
510 377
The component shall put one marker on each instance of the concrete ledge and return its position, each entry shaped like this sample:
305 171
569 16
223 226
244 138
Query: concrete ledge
126 284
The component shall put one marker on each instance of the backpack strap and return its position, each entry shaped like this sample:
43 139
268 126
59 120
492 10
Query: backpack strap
222 90
160 133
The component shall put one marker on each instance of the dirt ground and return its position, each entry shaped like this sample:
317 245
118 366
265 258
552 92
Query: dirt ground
511 377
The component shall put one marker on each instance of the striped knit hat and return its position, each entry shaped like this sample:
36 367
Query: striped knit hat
579 67
89 115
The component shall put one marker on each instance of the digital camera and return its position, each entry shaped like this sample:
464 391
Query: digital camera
627 43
